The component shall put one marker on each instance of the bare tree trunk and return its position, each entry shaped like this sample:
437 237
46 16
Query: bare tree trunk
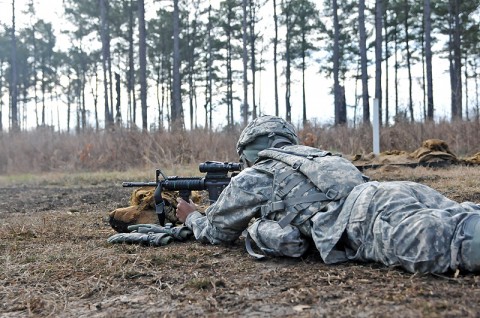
450 60
34 64
79 116
252 57
177 111
336 63
428 58
477 91
304 94
143 62
387 90
288 107
1 89
14 88
103 18
457 62
118 114
84 111
245 63
466 88
208 86
131 69
42 87
378 55
275 45
363 58
424 81
395 40
109 61
409 57
95 101
229 97
192 31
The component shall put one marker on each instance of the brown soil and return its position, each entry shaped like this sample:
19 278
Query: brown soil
55 261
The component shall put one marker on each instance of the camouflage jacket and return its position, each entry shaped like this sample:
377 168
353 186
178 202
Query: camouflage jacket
249 193
394 223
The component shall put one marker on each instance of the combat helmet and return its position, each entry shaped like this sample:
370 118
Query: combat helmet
262 133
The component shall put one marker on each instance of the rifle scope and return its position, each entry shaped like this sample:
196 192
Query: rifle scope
217 166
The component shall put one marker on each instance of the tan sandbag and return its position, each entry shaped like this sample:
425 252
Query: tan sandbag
432 145
142 208
437 145
434 150
121 218
473 160
437 156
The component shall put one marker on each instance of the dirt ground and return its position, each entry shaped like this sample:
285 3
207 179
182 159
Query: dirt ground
55 261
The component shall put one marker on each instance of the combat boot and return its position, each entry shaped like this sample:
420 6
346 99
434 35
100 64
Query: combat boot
470 248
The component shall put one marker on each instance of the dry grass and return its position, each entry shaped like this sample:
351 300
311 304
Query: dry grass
121 150
46 151
96 177
56 262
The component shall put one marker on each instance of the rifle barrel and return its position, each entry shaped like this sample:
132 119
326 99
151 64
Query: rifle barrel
139 184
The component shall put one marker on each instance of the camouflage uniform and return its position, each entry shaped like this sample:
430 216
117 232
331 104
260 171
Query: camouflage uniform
394 223
409 224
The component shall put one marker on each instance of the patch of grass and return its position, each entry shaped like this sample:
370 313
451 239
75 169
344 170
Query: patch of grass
93 178
199 283
158 260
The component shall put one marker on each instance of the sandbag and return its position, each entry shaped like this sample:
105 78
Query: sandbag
142 208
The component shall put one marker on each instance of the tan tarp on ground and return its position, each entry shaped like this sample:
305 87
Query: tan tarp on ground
432 152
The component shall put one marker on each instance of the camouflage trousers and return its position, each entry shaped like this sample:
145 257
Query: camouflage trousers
410 225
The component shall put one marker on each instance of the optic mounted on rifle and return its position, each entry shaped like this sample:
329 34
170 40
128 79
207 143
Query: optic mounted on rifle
217 166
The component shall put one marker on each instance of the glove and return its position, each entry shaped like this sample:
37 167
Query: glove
152 239
181 233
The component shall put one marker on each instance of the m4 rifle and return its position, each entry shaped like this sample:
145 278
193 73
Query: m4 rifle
218 176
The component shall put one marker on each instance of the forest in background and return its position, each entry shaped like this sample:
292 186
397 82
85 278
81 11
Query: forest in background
198 57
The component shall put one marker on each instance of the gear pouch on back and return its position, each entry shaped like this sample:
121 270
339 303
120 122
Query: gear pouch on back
274 240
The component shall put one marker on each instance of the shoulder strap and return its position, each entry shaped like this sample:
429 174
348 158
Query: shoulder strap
311 155
251 252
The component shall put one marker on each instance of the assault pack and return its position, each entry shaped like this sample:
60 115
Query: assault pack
305 180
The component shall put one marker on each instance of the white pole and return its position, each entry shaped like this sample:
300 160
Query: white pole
376 128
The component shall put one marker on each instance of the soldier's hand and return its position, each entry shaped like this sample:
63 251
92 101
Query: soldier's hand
184 209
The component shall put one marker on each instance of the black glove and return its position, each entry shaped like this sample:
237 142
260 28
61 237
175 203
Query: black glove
180 233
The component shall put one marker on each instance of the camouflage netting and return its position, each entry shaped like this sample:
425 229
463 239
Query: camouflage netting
433 152
142 208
